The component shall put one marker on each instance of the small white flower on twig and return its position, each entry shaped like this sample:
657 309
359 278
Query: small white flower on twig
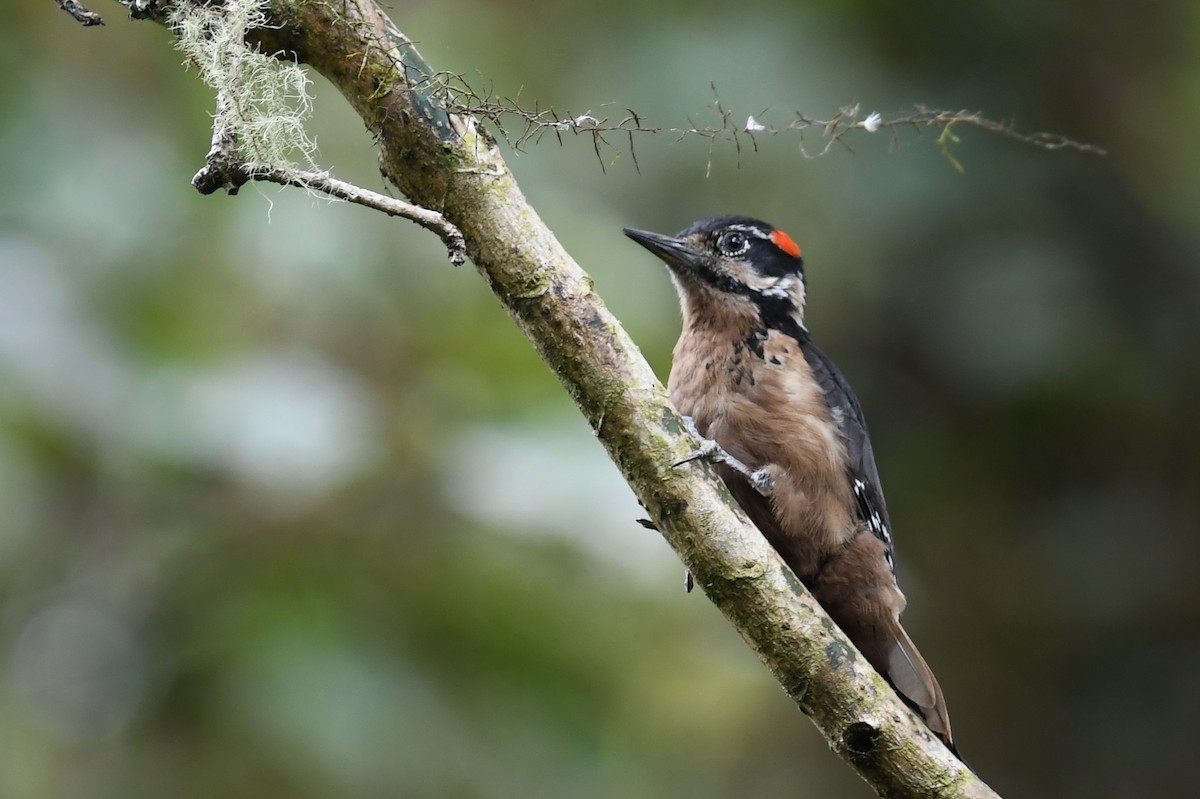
872 122
753 125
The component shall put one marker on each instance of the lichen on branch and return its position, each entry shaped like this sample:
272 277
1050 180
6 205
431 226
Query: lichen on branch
262 105
266 101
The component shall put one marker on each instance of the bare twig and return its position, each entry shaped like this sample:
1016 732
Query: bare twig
80 12
456 94
429 219
225 169
931 117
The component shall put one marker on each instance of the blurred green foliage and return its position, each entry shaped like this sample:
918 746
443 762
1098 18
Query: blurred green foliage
289 507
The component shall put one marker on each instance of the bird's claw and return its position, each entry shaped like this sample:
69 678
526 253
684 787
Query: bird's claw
762 482
713 452
709 451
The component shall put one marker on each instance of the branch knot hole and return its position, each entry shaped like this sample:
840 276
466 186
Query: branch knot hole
861 739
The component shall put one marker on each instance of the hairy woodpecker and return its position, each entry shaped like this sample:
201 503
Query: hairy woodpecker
796 454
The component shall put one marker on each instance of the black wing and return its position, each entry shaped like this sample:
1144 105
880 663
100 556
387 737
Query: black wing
847 415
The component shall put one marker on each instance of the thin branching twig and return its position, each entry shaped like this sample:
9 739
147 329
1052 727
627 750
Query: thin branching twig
519 126
427 218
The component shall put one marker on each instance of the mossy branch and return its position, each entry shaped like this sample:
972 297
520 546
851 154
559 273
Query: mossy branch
441 160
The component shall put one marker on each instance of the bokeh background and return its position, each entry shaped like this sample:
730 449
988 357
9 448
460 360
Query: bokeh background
289 507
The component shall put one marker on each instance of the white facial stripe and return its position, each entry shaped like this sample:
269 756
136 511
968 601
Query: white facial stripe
750 230
788 287
783 288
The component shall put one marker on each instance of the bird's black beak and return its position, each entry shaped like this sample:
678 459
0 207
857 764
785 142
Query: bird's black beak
673 251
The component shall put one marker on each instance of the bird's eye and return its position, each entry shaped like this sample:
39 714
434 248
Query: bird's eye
733 243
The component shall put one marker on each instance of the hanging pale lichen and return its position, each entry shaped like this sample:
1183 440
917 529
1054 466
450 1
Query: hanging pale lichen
263 100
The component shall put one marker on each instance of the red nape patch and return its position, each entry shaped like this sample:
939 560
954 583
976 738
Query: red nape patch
784 242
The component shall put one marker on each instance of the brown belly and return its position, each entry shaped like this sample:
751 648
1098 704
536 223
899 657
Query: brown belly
768 412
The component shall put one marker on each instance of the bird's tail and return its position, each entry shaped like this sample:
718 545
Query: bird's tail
912 678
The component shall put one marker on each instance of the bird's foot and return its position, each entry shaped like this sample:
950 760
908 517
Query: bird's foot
712 452
762 482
